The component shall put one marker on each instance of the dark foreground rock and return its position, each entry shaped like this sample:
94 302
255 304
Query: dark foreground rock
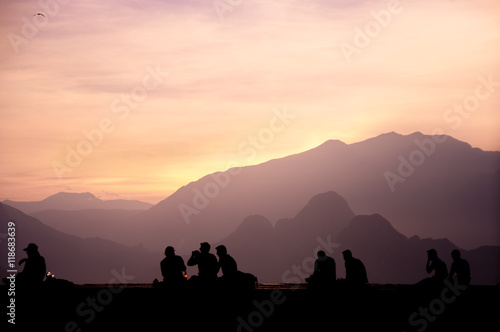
268 308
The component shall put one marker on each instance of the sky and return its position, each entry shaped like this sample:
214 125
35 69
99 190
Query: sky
134 99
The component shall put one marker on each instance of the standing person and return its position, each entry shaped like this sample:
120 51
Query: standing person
208 266
355 272
173 269
34 269
460 267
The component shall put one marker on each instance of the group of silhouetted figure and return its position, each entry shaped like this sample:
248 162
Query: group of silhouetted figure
174 274
460 269
325 270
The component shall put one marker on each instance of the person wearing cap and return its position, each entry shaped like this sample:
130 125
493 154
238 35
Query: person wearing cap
434 263
34 267
173 269
208 266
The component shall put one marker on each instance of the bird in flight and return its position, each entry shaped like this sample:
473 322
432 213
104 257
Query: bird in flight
39 14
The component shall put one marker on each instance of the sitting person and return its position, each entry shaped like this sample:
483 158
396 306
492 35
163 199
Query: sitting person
324 271
434 263
207 266
34 269
461 268
226 263
232 278
173 269
355 272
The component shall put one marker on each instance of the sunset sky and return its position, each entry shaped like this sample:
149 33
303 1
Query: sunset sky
136 98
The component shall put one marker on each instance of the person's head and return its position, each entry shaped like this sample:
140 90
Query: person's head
204 247
169 251
31 249
347 254
221 250
455 254
432 254
321 254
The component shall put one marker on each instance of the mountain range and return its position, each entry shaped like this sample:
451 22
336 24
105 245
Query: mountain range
77 201
431 186
281 253
90 260
327 223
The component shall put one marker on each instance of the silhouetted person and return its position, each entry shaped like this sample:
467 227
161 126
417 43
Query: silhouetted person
440 271
355 272
434 263
208 266
226 263
173 269
460 267
325 271
34 268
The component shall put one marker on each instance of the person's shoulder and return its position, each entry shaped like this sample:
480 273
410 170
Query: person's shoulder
180 259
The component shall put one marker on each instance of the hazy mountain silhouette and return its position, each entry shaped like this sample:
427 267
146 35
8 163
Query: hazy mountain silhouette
268 251
454 189
77 201
282 254
89 223
90 260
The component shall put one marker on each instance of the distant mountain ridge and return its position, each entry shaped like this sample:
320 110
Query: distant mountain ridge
103 223
447 189
281 253
452 192
91 260
77 201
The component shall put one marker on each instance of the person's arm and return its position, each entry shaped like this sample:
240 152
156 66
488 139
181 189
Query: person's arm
452 271
316 267
162 269
429 266
193 260
182 265
43 268
217 265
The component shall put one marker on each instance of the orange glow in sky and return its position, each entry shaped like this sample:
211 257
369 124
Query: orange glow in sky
134 99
